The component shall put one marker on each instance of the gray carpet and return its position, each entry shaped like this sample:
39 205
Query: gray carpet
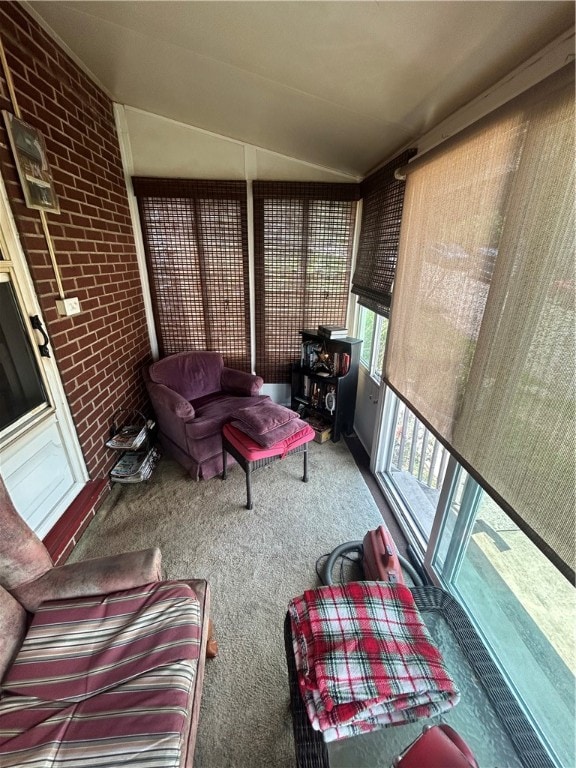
255 562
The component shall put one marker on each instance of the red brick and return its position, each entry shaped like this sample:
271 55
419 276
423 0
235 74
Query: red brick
99 351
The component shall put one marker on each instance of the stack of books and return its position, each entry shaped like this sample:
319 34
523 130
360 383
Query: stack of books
333 331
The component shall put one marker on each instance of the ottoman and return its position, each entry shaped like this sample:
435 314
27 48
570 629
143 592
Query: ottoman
250 455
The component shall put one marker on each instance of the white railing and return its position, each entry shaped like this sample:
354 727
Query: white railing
416 450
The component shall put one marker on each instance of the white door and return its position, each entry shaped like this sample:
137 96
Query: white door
40 458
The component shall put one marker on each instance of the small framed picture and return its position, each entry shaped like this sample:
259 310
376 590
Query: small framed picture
30 155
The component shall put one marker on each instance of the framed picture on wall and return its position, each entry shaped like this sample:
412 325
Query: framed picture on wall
30 155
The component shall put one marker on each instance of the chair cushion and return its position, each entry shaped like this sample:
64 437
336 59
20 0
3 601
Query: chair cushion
274 436
138 720
137 723
253 451
77 648
211 416
264 418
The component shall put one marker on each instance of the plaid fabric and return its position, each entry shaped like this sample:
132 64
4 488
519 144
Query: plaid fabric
365 659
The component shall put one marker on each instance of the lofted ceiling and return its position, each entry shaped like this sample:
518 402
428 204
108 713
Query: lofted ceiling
341 84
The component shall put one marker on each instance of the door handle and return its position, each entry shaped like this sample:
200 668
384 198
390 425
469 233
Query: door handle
37 325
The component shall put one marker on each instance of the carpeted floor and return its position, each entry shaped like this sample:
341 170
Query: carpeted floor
255 562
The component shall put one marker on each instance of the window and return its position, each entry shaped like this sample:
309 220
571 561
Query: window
303 254
196 242
373 330
21 387
523 606
411 468
478 433
382 201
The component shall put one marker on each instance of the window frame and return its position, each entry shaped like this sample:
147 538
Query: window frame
372 364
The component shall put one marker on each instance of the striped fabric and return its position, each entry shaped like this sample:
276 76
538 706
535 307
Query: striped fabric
104 681
365 659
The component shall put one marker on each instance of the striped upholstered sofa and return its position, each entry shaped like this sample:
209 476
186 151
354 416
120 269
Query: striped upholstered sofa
101 662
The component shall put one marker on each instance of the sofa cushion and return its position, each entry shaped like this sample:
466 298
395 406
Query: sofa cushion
191 375
77 648
140 723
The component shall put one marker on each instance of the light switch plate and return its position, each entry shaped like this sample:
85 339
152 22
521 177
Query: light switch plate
68 307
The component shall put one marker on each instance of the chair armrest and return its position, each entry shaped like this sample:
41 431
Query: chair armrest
100 575
235 382
165 399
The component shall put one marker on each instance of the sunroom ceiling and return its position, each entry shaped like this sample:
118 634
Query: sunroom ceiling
339 84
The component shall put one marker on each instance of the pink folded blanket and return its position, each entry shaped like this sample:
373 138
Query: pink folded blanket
365 659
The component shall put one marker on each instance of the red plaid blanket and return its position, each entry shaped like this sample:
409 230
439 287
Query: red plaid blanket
365 659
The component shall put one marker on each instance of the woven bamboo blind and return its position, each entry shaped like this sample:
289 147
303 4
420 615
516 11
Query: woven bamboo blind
481 341
303 254
196 242
383 198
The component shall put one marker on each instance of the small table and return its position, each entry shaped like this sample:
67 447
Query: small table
250 455
488 717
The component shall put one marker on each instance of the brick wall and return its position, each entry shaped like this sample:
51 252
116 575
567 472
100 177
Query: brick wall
101 351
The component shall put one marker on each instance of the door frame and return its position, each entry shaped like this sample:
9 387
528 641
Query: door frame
24 287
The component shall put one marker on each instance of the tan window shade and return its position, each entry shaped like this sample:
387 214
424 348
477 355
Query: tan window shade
303 254
196 243
382 200
482 334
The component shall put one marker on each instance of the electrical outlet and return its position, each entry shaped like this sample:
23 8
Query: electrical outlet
68 307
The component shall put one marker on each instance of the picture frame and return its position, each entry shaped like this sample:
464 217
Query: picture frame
29 152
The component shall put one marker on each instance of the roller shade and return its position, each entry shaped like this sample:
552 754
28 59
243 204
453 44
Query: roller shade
482 334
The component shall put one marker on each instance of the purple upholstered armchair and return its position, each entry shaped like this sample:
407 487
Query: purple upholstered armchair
193 395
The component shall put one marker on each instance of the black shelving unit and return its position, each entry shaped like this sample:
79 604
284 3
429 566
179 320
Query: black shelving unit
325 381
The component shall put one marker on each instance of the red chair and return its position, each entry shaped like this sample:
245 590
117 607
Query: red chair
438 746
